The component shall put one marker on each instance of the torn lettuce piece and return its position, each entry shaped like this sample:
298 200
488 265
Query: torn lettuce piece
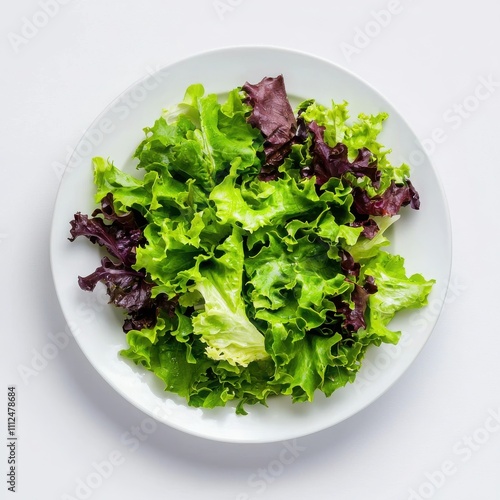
223 324
396 291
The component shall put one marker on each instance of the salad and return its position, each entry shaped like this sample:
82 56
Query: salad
248 253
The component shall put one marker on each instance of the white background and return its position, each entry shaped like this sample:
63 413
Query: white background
433 434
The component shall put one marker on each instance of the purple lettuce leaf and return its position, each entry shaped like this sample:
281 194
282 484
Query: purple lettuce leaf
388 203
348 265
131 220
370 227
354 319
273 115
130 290
330 161
126 287
147 316
119 239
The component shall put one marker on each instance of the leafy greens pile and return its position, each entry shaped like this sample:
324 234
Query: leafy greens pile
249 255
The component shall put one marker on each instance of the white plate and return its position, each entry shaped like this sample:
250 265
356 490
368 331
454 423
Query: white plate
422 237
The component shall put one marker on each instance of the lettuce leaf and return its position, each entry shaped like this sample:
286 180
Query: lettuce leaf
272 114
396 291
223 324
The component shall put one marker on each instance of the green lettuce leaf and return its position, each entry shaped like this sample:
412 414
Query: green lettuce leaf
396 291
223 324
